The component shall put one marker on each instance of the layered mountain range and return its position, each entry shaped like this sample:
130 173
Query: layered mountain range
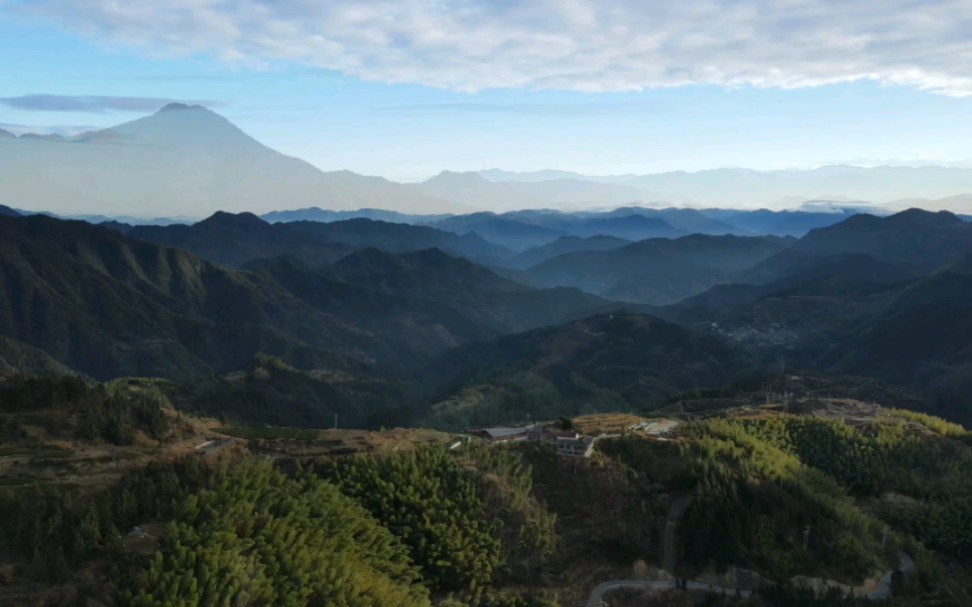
431 312
423 323
188 161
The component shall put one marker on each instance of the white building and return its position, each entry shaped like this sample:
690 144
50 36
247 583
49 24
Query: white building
573 447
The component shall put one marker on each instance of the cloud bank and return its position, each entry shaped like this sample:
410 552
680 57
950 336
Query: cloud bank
64 130
581 45
92 104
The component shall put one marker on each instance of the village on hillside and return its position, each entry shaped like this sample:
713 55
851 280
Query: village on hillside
574 439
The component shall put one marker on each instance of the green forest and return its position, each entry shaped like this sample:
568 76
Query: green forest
474 525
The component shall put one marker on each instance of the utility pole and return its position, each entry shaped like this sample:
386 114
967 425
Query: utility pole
335 421
884 538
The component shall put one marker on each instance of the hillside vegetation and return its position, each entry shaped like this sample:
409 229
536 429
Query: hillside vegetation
474 525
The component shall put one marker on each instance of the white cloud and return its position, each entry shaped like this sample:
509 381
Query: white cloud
583 45
92 104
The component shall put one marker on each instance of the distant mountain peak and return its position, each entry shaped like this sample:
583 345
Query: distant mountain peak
861 220
915 216
456 178
186 160
175 106
234 220
178 125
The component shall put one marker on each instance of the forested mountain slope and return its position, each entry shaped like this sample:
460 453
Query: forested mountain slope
658 271
608 362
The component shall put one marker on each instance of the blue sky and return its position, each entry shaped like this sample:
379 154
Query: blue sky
396 90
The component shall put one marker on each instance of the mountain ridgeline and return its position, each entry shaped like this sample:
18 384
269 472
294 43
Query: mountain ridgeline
388 308
183 159
255 409
111 305
401 316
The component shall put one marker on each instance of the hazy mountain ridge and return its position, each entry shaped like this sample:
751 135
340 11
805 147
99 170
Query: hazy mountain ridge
510 233
657 271
528 229
916 240
564 245
772 188
182 160
781 223
327 215
399 237
480 192
188 160
234 240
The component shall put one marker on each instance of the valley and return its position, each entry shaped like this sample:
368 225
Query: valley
441 405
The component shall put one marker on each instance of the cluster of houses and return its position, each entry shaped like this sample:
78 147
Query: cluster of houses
567 443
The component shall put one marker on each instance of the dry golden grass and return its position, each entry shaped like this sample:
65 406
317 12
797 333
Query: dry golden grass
326 443
40 457
606 423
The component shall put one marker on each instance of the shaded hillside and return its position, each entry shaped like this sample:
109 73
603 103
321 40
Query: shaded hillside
609 362
657 271
233 240
449 286
630 227
689 220
5 210
397 237
511 233
108 305
418 328
564 245
17 358
780 223
854 315
922 336
269 392
522 230
915 240
837 276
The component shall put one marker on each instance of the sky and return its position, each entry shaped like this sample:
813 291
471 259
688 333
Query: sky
407 88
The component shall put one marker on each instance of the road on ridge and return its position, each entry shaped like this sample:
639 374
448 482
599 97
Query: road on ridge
881 592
